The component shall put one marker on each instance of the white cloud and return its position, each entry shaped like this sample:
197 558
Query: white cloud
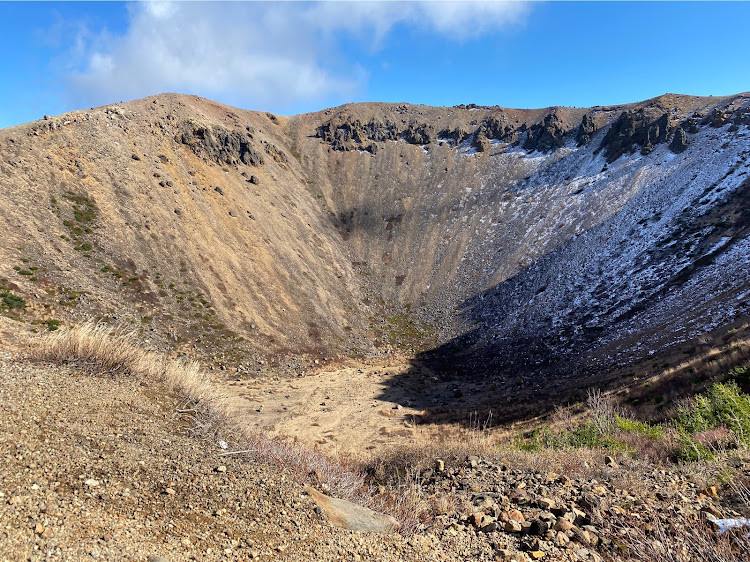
260 54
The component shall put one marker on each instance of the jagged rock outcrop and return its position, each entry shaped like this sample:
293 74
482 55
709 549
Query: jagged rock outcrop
679 142
455 135
545 136
481 142
497 129
717 118
586 130
419 133
633 130
219 144
344 132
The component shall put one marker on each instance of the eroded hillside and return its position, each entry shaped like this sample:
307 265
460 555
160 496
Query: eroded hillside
513 242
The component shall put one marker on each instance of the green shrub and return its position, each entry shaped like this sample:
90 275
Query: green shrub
724 409
9 301
724 404
688 449
585 435
640 428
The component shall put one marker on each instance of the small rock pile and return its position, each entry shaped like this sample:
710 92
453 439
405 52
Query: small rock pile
533 515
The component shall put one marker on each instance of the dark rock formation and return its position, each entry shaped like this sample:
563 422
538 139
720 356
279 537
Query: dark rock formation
679 142
344 132
481 142
419 133
455 135
690 125
545 136
717 117
586 130
495 128
219 144
634 129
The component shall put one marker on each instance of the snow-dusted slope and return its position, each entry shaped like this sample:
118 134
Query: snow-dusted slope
604 243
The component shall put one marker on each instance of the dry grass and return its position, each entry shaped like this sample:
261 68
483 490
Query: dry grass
101 350
656 540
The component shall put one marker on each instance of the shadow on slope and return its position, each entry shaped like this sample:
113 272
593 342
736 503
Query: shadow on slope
520 357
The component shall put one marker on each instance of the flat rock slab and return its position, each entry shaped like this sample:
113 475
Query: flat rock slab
350 516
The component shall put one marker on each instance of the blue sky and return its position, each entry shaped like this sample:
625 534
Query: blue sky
294 57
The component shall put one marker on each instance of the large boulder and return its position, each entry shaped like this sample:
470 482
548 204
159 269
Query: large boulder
350 516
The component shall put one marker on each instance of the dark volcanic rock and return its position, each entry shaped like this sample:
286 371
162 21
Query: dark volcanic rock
585 130
344 132
545 136
634 129
656 133
495 128
219 144
419 133
679 142
481 142
717 118
456 135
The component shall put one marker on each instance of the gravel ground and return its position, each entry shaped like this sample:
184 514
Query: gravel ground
102 467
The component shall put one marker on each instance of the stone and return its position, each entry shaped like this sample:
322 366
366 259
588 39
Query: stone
563 525
679 141
516 515
350 516
547 135
546 504
585 130
219 144
559 510
537 554
538 527
512 526
221 468
481 143
476 518
580 536
490 527
610 462
440 465
91 483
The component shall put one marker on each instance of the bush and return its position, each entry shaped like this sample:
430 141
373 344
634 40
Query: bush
9 301
724 408
639 428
